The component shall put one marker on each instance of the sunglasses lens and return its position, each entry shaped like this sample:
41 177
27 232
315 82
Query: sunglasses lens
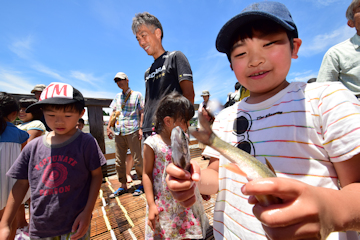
241 124
245 146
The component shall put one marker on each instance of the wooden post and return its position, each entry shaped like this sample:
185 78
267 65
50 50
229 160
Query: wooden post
96 125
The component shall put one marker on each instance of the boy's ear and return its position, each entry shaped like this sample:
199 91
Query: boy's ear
351 23
297 43
231 67
82 113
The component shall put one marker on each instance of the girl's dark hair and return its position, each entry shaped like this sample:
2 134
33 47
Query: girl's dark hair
175 106
8 104
25 102
265 27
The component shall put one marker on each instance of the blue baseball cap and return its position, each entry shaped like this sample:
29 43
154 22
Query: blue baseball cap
274 11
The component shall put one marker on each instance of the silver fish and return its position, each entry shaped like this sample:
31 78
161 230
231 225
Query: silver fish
241 162
181 158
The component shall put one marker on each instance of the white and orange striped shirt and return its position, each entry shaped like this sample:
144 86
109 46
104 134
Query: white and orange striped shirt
301 131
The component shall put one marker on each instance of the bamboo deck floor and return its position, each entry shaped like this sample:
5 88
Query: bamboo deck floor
124 217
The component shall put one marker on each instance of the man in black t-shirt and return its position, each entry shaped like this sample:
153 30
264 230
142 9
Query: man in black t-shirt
169 72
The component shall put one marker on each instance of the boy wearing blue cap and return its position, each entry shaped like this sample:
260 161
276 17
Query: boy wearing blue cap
308 132
62 169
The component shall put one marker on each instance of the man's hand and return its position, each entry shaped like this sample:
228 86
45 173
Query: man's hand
140 134
109 133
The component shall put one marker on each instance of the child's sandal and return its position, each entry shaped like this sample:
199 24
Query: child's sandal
138 191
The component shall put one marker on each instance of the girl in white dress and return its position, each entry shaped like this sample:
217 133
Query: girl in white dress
11 140
165 218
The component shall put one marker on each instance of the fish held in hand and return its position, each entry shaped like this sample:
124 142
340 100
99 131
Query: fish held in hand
241 162
181 158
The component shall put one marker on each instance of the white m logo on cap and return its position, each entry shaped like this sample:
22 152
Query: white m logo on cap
57 90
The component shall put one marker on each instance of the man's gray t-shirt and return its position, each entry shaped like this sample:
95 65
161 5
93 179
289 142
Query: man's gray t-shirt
59 178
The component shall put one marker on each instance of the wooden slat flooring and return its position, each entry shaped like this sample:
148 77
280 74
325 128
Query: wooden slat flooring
126 217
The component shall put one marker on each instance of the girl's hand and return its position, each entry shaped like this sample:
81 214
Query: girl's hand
153 216
181 183
306 211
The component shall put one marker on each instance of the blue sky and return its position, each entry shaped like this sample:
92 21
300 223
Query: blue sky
85 43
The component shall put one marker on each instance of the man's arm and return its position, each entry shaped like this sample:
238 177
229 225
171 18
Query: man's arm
110 132
141 124
187 88
329 69
82 222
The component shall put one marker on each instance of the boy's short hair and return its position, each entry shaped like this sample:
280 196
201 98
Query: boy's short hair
59 96
276 12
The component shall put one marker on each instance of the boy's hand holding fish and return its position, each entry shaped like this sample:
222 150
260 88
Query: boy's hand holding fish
304 212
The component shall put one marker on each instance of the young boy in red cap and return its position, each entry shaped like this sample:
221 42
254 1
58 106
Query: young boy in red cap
308 132
62 169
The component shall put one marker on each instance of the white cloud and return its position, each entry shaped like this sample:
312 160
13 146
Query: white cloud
97 94
13 82
85 77
324 2
22 47
52 73
323 42
214 75
301 76
297 74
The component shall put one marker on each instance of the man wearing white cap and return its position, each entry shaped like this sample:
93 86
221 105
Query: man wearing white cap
209 109
128 107
37 90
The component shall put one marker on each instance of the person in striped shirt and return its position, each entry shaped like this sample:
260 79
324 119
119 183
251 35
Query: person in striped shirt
308 132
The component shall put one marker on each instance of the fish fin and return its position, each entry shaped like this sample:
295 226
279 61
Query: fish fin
268 164
234 168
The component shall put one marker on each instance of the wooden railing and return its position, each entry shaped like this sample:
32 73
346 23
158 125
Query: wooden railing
95 117
110 170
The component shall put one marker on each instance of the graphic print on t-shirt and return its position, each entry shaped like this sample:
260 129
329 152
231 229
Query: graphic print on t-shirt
55 173
241 128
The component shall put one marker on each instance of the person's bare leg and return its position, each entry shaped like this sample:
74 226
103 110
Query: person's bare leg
129 166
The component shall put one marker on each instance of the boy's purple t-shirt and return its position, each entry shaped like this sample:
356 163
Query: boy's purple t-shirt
59 178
